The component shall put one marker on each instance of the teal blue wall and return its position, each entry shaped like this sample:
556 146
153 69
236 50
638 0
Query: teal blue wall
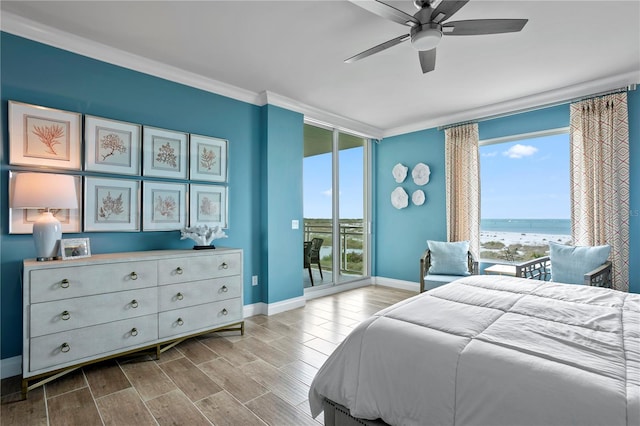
39 74
401 234
282 203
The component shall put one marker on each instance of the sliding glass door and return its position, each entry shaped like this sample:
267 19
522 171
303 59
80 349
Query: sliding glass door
335 205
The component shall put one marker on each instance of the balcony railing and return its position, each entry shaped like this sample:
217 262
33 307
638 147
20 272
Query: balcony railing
351 244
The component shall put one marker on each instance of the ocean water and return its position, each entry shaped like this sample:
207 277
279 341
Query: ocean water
528 226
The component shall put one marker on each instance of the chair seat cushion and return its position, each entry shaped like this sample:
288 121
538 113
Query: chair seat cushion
449 258
570 263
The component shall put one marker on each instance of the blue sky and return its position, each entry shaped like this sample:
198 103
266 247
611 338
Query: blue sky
526 179
317 185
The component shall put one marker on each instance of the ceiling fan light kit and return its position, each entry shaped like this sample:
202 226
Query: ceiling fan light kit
426 27
426 37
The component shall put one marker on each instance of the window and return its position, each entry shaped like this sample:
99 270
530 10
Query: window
525 201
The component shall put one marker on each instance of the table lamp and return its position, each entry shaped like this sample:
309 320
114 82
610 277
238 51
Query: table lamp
45 191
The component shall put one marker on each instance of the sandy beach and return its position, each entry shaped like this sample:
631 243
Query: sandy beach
509 238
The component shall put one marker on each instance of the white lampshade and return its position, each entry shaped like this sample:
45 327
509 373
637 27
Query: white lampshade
45 191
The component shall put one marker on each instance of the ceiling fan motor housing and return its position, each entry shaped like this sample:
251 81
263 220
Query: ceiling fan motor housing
426 36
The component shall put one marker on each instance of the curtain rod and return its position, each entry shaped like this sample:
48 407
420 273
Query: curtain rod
628 88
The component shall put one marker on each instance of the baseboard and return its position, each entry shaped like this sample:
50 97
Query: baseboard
314 293
10 367
399 284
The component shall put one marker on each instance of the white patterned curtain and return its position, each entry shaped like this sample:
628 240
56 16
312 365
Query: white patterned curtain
463 185
599 178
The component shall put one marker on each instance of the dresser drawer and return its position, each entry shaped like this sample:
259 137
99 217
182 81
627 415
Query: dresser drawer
62 315
200 317
73 346
181 295
66 282
196 268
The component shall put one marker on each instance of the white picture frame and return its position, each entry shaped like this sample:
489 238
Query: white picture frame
44 137
165 153
208 158
75 248
165 206
111 205
111 146
21 220
208 205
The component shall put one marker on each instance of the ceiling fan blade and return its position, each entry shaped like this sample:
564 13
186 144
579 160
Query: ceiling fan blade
427 60
378 48
483 26
446 9
387 12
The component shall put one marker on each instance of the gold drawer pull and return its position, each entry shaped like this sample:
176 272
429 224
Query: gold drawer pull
179 270
225 265
179 296
64 283
134 331
224 311
180 322
134 303
224 289
133 276
65 315
65 347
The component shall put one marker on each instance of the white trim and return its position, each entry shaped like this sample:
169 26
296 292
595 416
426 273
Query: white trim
259 308
313 293
322 118
536 101
520 136
285 305
41 33
399 284
10 367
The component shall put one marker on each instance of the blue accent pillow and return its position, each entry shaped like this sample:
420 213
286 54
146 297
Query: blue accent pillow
448 258
570 263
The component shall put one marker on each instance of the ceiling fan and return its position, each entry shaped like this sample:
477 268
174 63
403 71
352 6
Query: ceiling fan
427 27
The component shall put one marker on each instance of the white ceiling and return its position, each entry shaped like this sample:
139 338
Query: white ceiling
294 50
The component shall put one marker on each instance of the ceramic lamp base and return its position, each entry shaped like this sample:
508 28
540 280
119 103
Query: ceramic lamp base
47 232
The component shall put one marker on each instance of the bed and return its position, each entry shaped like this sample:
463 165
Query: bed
489 350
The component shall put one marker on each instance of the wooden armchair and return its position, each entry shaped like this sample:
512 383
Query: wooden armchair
540 269
427 280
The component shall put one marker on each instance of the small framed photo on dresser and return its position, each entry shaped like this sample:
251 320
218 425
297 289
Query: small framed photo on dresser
75 248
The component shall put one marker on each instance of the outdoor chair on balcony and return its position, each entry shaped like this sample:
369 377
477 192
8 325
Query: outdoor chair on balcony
444 262
570 265
312 256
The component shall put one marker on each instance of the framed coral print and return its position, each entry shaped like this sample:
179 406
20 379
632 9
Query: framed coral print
164 153
208 205
165 206
111 146
44 137
21 220
111 205
208 159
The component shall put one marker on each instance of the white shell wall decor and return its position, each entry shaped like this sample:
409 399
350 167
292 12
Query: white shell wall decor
400 172
418 197
399 198
421 174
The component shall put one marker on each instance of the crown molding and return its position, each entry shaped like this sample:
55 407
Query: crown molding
319 116
526 103
17 25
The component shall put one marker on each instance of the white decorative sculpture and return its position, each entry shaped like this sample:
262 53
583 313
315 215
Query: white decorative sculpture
399 198
202 235
418 197
400 172
421 174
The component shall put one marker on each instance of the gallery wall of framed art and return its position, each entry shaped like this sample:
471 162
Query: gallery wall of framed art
129 177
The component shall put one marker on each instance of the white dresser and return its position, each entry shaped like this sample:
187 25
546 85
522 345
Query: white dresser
80 311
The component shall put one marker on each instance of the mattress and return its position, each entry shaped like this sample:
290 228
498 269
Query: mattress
492 350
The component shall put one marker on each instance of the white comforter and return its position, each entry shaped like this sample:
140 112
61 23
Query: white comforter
491 350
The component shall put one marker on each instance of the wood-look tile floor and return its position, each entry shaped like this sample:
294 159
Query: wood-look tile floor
260 378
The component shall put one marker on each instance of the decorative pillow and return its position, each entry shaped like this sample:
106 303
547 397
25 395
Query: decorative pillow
570 263
449 258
